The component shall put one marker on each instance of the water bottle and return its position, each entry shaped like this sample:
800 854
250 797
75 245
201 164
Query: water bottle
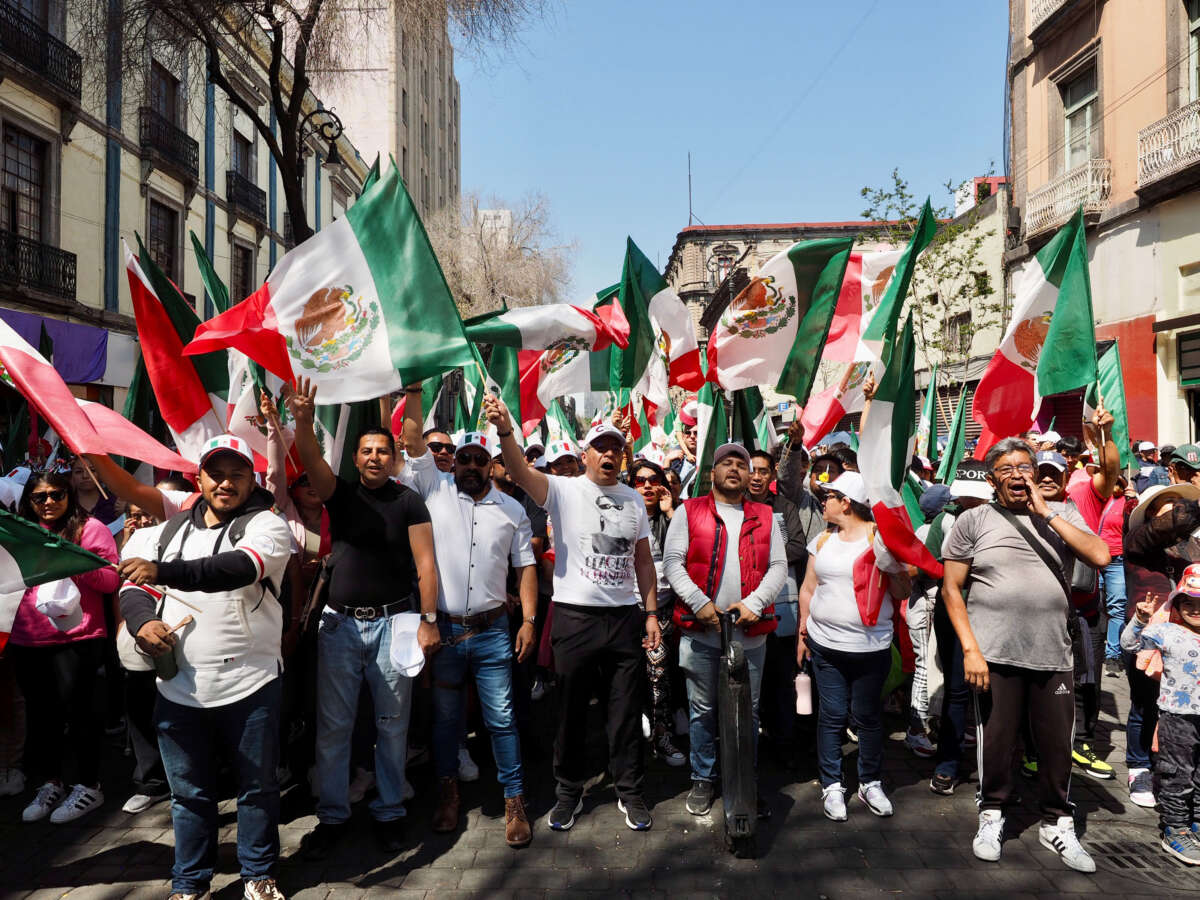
804 706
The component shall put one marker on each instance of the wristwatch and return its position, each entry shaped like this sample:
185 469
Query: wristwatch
430 617
529 620
1050 517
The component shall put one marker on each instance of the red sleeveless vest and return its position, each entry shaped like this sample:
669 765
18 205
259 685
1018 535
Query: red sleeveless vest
707 540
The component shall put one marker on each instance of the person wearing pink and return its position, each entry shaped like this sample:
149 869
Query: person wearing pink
56 645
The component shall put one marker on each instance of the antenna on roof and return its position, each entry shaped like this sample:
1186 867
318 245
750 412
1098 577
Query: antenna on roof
690 217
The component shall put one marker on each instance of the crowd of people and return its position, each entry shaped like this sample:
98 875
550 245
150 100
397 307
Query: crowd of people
305 626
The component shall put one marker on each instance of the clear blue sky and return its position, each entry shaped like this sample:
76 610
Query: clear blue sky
600 106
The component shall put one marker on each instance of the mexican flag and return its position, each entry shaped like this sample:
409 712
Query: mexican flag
361 307
751 422
885 452
662 348
956 441
561 425
542 327
773 332
866 281
712 430
1110 385
880 331
927 435
823 412
1050 345
29 556
193 405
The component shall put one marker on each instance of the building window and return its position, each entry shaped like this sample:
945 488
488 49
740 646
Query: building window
162 230
1079 111
404 105
243 156
38 10
1193 11
24 181
958 334
164 93
241 273
404 164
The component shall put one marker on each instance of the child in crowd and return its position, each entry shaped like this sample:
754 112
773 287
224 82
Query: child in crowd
1178 640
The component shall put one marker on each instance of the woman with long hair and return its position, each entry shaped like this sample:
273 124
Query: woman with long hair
56 653
846 630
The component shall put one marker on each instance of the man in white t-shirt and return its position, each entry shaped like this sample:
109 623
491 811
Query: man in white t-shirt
602 565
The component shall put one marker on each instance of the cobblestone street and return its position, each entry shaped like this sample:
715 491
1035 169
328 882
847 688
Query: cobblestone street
924 850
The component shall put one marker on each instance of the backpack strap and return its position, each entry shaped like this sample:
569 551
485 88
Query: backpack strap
171 528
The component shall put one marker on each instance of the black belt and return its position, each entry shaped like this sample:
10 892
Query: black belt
479 620
371 613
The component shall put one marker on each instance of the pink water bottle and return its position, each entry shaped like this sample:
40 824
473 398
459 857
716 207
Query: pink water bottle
804 694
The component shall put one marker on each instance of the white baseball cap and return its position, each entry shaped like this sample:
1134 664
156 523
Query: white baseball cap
601 430
851 486
1146 445
558 450
227 442
482 440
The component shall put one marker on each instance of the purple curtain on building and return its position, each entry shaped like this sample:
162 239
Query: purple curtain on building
80 351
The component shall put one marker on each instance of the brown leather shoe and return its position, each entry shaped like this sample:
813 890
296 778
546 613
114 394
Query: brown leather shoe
445 817
517 832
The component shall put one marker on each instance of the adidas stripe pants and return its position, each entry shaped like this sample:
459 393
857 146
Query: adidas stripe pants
1048 699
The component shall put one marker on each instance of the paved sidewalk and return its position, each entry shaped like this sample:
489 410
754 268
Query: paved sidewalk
924 850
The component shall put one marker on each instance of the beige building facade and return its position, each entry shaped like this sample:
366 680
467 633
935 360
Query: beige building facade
163 154
1105 113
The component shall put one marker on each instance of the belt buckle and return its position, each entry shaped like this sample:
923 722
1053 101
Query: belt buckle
365 613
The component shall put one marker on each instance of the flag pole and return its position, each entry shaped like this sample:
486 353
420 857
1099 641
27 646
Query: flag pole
113 566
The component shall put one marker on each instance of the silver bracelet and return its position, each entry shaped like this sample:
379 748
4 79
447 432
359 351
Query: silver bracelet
1050 517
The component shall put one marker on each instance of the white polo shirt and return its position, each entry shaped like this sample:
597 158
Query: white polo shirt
474 541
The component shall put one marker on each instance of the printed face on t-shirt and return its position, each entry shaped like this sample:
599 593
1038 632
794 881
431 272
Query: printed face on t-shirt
607 535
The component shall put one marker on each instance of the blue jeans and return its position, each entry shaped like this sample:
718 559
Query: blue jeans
849 683
349 652
1112 582
955 696
701 663
188 739
488 657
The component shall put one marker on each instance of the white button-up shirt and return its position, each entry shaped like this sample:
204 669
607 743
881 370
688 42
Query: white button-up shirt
474 541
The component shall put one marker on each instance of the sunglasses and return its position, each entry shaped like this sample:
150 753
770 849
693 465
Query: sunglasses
48 496
689 431
639 480
440 447
478 460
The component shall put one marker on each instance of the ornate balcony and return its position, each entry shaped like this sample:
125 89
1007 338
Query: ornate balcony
245 198
31 264
1047 17
45 59
1169 148
1055 202
168 144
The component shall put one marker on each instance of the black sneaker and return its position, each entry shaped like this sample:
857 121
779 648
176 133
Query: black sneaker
319 842
1113 668
637 814
389 836
562 816
700 798
943 784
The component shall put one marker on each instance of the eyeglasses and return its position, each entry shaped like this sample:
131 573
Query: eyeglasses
639 480
440 447
1006 471
48 496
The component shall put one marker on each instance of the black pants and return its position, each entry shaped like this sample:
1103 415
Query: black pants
777 706
599 647
141 691
1087 693
59 684
1048 700
1178 772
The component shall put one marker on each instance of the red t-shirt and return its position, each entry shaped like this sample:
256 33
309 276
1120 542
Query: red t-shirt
1104 518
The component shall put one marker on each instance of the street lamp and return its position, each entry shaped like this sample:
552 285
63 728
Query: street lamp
330 130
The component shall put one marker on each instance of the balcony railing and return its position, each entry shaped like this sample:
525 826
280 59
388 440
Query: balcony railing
1041 11
25 41
1055 202
32 264
1170 145
161 137
245 198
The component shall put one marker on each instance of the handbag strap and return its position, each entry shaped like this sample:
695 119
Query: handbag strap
1055 566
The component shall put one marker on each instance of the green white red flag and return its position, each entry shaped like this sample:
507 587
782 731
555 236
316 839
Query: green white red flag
543 327
361 307
927 432
1110 385
956 442
1050 345
885 451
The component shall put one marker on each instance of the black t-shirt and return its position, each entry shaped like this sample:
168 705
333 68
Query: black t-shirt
373 563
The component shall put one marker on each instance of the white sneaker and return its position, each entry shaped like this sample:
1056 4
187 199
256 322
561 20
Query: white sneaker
46 798
467 770
834 799
682 725
362 782
1141 788
919 743
645 727
877 801
142 802
12 782
987 839
1061 838
81 801
538 691
266 889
